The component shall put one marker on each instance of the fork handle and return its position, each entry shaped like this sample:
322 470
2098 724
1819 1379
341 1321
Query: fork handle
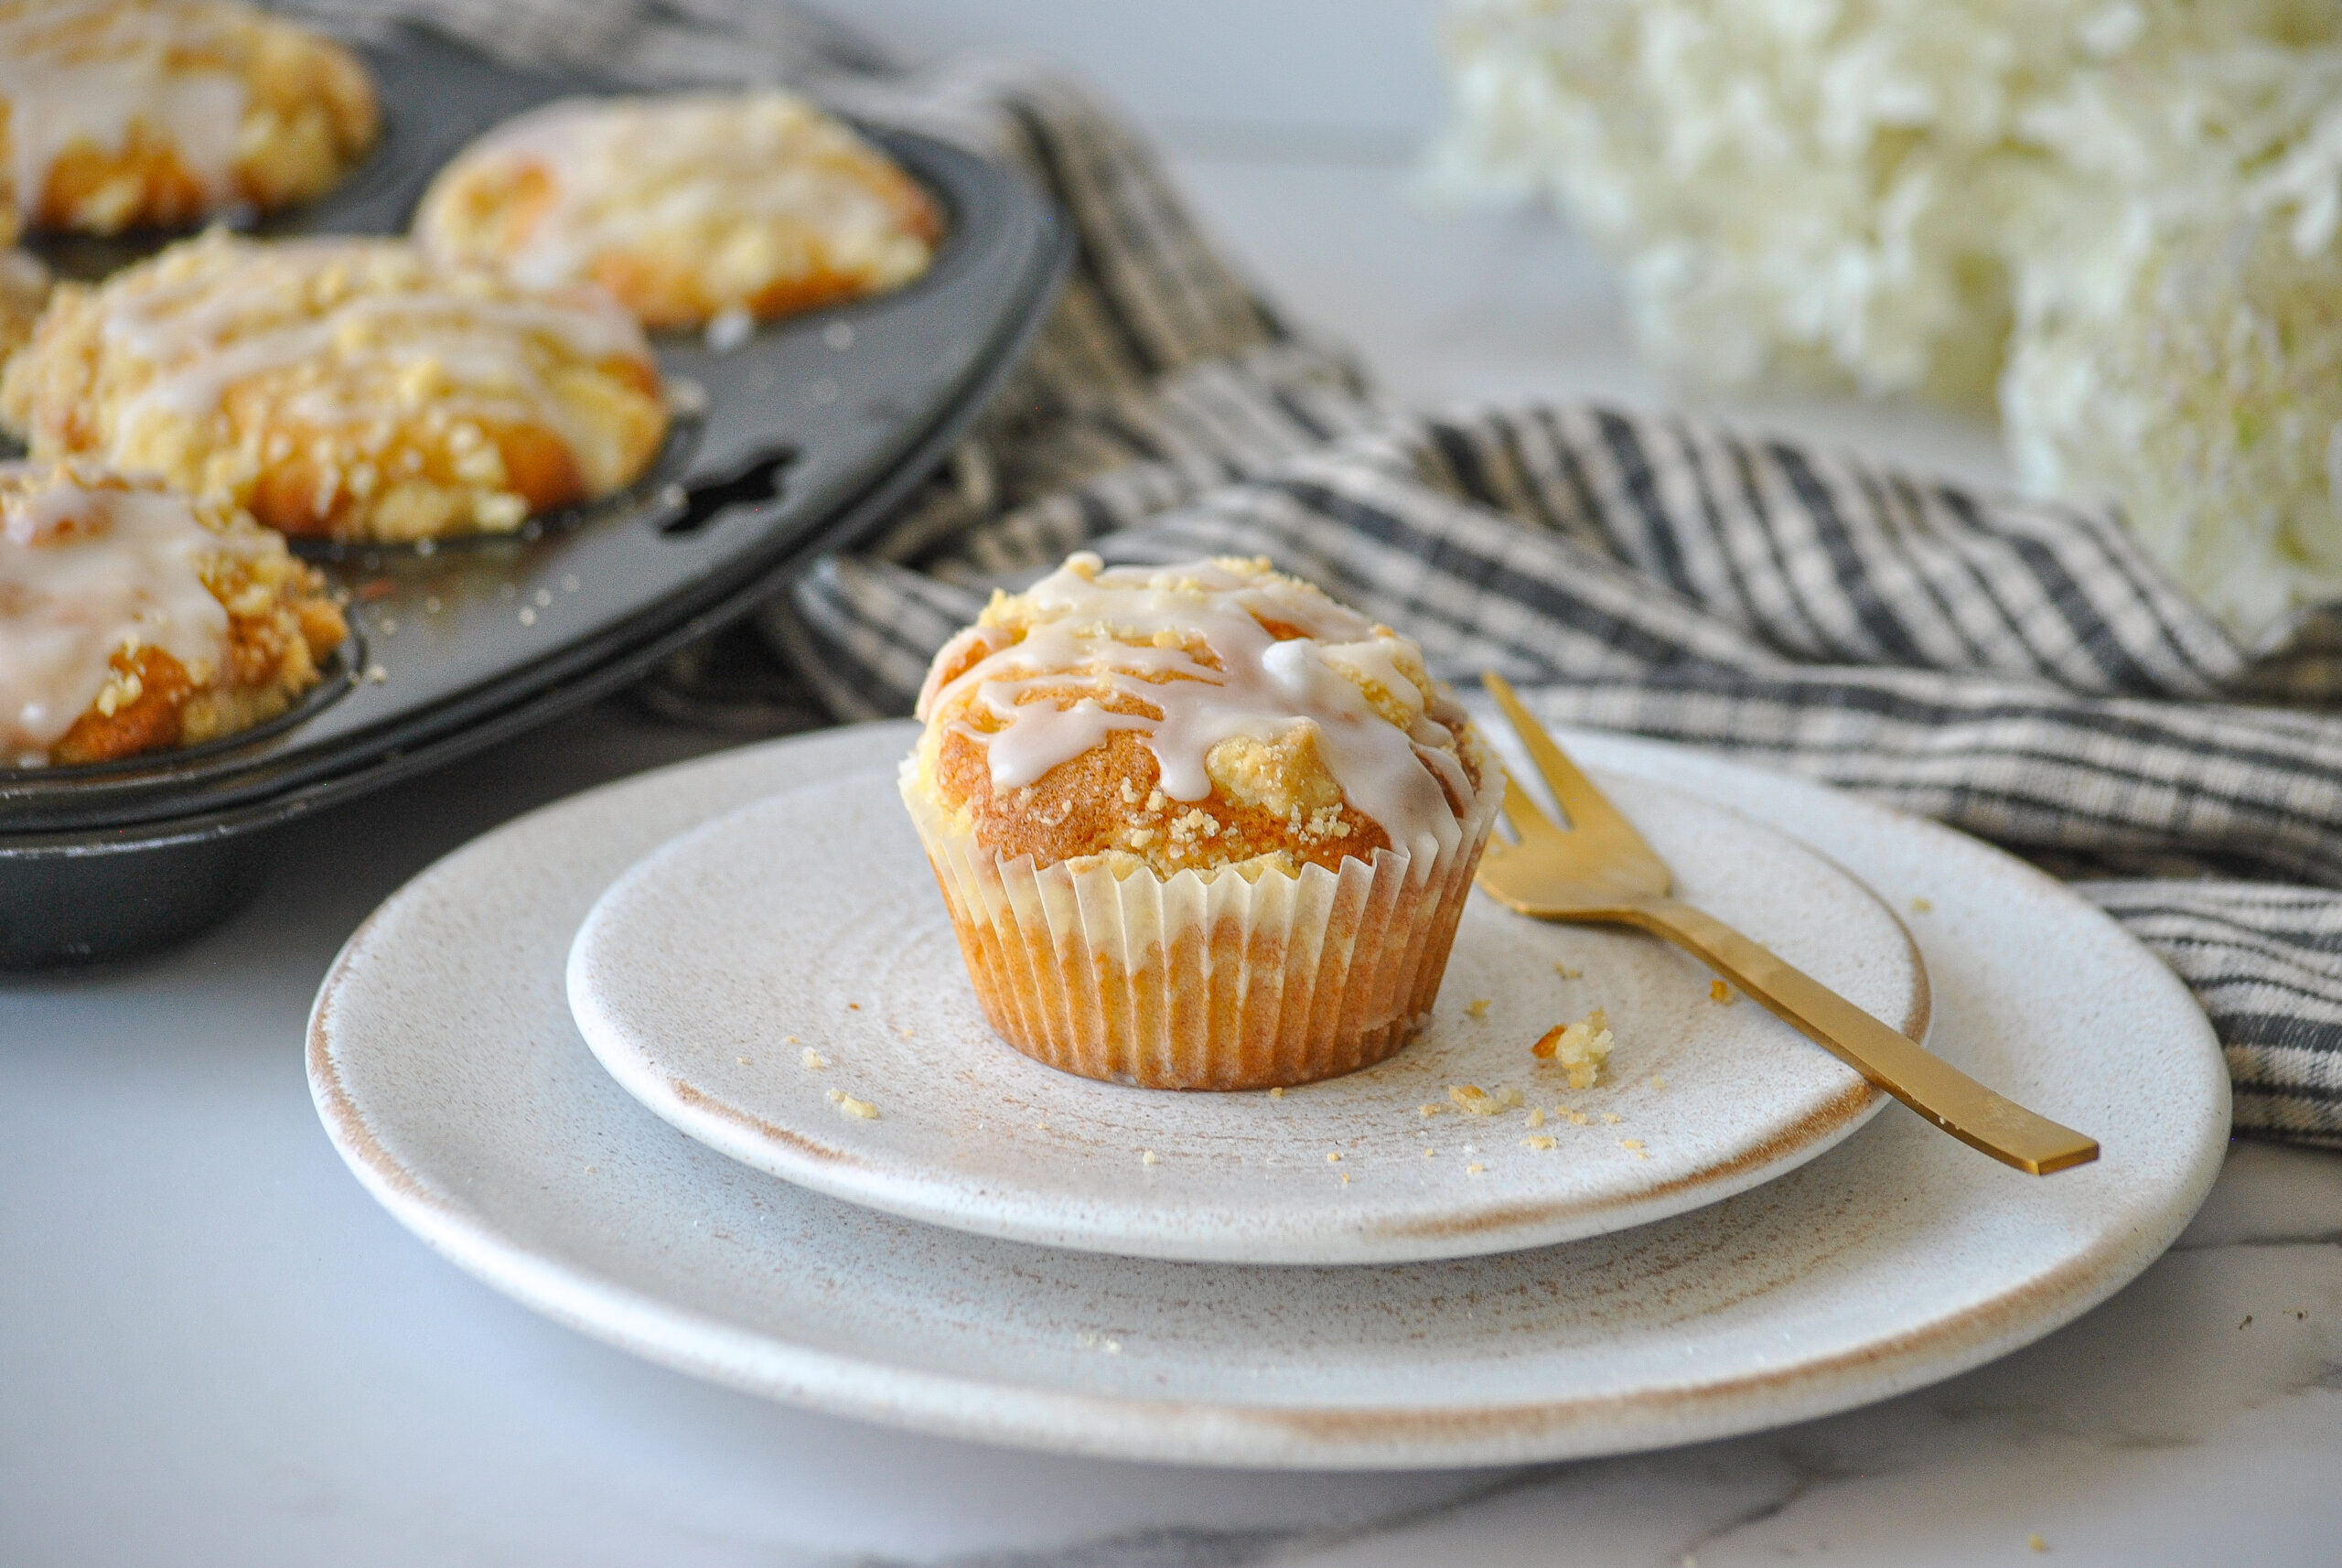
1926 1083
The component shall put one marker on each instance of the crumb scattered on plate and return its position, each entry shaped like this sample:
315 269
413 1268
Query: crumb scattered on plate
1579 1048
1474 1101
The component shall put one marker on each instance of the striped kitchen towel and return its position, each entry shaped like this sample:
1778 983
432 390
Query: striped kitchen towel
2016 669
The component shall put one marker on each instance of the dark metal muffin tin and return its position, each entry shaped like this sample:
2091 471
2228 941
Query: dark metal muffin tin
799 441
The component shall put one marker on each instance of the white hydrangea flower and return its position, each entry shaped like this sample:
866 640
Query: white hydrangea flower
2205 401
1911 195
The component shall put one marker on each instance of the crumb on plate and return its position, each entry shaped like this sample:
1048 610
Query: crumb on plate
1474 1101
1579 1048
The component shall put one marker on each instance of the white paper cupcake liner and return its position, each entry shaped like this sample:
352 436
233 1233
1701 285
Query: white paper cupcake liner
1205 980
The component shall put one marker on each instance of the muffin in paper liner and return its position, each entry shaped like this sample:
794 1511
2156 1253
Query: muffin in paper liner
1241 976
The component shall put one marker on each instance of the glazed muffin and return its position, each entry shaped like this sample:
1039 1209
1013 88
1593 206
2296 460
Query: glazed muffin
688 209
344 389
1197 827
134 618
120 114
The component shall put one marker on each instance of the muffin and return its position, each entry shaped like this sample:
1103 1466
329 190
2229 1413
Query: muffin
342 389
120 114
690 209
133 618
1197 827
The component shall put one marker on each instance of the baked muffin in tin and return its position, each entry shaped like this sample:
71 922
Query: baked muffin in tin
119 114
692 209
135 618
347 389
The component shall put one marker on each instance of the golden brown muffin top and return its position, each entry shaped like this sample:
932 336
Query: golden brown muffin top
199 319
1189 717
215 100
93 565
684 205
222 361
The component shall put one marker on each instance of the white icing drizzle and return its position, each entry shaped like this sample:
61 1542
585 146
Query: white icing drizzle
623 169
85 573
1101 626
76 72
224 324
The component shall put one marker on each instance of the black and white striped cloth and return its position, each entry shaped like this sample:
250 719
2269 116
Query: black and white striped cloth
2016 669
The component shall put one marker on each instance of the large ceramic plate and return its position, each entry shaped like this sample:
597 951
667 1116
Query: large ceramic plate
448 1073
811 923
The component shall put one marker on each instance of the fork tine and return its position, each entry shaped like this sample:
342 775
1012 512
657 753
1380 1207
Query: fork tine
1527 817
1590 811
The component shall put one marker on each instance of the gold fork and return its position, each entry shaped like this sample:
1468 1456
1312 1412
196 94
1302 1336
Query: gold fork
1599 870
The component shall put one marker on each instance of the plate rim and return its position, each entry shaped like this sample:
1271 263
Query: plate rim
1514 1222
1349 1436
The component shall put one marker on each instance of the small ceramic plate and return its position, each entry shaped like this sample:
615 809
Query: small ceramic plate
448 1074
784 985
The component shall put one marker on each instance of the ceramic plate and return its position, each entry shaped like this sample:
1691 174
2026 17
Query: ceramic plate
760 981
448 1071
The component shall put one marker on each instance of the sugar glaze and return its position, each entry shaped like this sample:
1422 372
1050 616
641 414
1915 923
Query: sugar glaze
1129 629
84 574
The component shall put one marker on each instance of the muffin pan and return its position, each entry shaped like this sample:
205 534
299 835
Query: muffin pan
799 441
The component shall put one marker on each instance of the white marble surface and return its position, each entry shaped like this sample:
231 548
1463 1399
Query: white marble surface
215 1350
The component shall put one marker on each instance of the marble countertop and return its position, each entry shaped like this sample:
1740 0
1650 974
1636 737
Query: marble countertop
214 1349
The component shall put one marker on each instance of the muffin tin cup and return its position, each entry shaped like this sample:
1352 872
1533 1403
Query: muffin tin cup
1206 981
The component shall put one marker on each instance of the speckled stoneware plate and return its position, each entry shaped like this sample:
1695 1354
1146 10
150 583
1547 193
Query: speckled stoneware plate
784 985
448 1073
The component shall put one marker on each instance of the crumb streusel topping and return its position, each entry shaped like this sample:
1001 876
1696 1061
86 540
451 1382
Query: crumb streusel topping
127 113
347 387
685 206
